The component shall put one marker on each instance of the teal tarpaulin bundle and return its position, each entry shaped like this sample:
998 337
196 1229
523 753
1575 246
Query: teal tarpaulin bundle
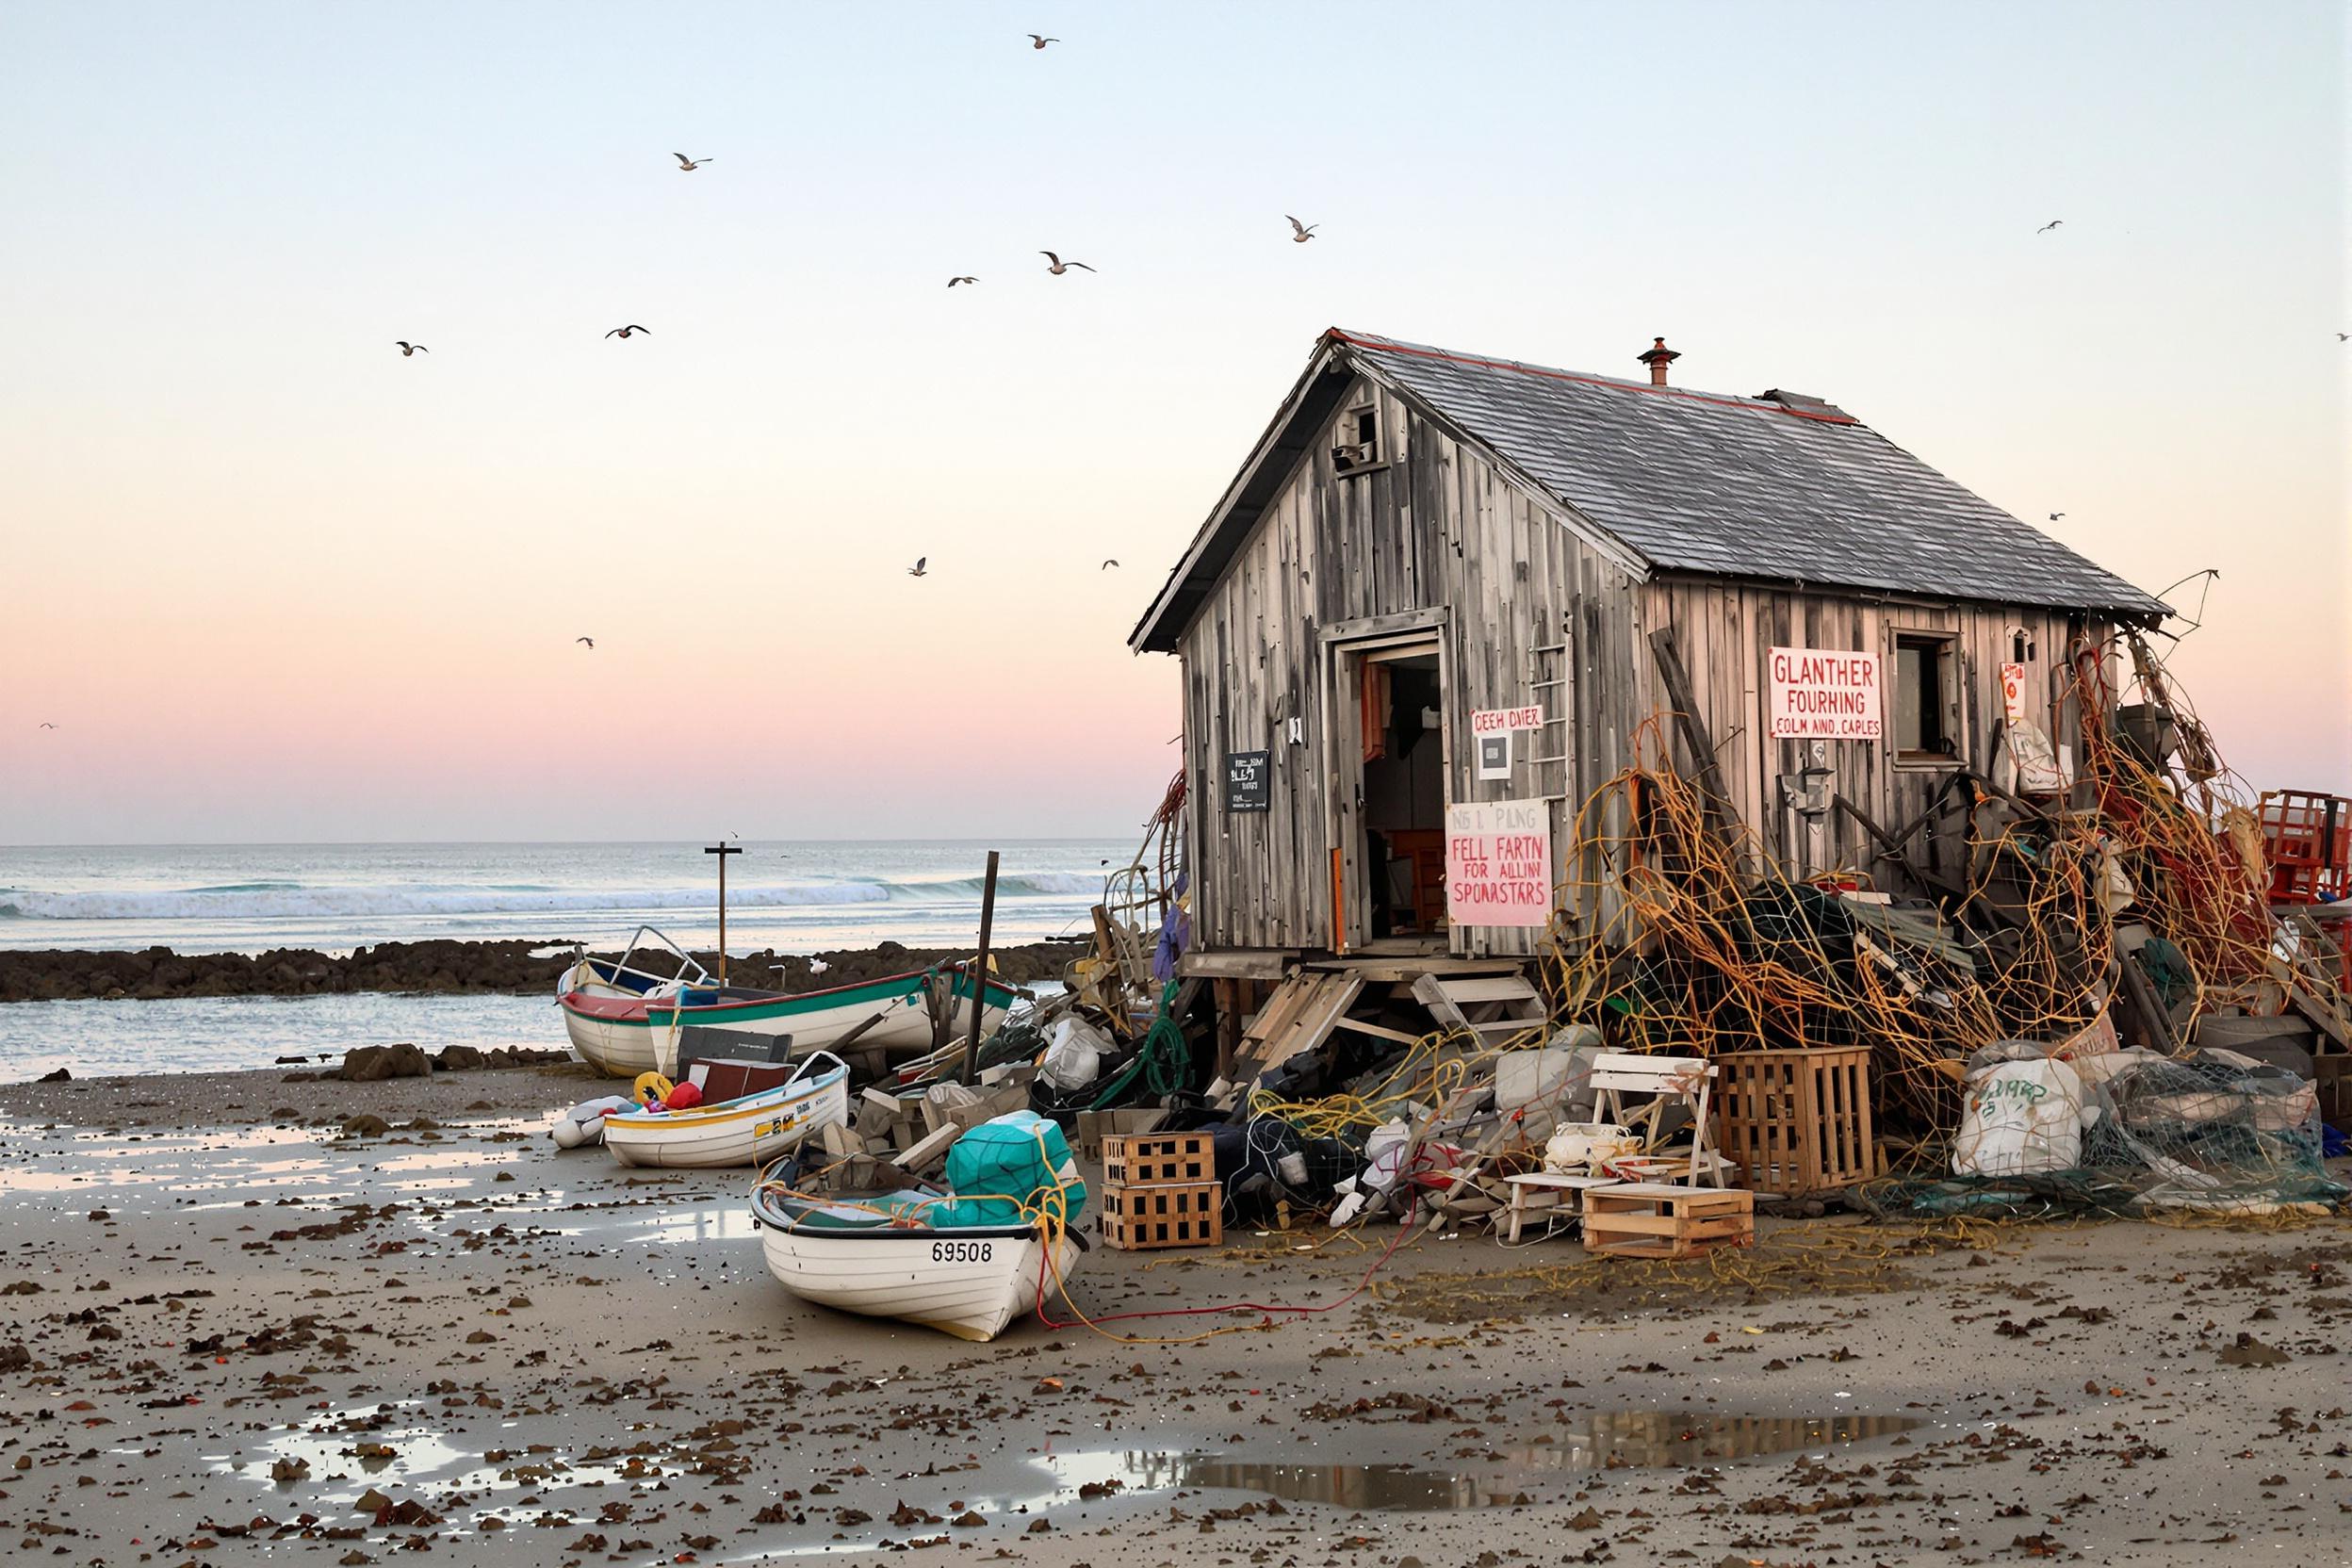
1002 1167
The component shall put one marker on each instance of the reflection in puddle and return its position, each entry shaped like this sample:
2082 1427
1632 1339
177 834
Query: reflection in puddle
1356 1486
1603 1439
1658 1437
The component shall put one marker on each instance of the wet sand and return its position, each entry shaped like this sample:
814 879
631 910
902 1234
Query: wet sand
226 1327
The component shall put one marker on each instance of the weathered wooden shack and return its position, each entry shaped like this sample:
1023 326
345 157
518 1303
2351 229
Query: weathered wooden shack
1434 585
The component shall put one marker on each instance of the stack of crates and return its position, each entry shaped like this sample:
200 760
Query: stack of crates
2309 836
1160 1189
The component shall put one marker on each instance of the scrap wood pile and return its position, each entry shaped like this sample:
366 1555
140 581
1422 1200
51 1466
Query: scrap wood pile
2042 992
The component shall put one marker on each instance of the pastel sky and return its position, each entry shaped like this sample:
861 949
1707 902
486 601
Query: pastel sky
274 582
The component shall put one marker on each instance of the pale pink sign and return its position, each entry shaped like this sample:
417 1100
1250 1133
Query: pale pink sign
1498 863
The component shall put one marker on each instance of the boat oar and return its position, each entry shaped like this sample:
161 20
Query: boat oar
850 1039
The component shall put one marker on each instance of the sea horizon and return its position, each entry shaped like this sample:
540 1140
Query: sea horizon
799 895
796 895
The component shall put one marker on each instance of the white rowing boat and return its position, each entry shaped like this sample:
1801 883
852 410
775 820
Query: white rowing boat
972 1281
751 1130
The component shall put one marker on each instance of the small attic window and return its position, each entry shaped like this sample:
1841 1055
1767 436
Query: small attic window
1356 440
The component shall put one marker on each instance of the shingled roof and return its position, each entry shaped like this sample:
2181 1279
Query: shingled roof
1782 487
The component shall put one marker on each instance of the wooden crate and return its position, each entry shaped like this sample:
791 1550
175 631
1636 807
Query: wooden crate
1655 1219
1094 1126
1148 1159
1793 1122
1170 1214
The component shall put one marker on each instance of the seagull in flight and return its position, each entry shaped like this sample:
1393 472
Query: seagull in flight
624 332
1107 566
2051 224
1036 42
917 569
1301 233
1059 265
690 165
953 281
2344 337
2055 516
408 348
590 641
46 726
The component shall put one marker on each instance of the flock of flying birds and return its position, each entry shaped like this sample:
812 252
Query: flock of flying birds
1299 233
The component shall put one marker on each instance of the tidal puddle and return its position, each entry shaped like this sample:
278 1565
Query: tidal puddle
221 1170
379 1446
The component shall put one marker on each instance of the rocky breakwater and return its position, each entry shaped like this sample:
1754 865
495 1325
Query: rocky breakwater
449 968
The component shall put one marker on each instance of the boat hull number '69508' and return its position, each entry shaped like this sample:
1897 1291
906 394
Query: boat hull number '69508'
962 1251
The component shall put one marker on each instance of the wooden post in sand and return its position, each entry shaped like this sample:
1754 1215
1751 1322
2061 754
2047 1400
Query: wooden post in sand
979 977
722 851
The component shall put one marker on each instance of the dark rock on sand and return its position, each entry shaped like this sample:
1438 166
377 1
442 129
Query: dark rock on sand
59 1076
365 1126
372 1063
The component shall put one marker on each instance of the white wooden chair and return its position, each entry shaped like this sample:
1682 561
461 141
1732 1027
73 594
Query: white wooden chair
1664 1080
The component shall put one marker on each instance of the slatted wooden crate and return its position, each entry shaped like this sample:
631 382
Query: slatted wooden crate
1143 1159
1171 1214
1793 1122
1655 1219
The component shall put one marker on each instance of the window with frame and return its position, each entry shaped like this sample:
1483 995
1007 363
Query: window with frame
1356 440
1925 699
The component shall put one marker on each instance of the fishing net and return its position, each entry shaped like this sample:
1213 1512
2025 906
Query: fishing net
2125 1133
2016 944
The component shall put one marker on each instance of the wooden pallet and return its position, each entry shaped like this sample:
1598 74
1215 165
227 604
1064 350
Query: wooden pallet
1157 1159
1300 1016
1651 1219
1489 1008
1171 1214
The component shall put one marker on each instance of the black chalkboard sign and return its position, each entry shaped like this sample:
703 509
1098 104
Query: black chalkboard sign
1248 780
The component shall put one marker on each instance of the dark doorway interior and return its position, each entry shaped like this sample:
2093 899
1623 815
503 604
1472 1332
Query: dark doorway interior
1404 795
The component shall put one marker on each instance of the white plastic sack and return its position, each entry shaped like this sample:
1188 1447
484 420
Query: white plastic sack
1074 1059
584 1122
1384 1149
1581 1145
2022 1119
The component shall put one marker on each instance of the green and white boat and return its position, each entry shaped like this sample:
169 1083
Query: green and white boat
624 1020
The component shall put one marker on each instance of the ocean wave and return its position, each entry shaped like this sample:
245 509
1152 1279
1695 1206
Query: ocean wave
261 901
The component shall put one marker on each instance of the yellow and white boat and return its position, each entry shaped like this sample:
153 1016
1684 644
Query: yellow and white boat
750 1130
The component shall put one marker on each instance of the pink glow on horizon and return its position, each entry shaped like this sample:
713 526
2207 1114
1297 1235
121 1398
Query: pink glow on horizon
275 582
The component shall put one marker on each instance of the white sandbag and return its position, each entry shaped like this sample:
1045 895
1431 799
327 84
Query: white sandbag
2022 1119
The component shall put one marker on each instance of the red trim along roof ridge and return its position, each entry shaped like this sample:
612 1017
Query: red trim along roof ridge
1718 399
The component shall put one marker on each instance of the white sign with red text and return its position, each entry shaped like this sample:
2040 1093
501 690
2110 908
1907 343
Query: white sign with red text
1824 694
1496 721
1498 862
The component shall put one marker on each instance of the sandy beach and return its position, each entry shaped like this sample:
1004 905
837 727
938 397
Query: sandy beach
231 1324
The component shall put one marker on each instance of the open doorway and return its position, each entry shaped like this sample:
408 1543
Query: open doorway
1391 774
